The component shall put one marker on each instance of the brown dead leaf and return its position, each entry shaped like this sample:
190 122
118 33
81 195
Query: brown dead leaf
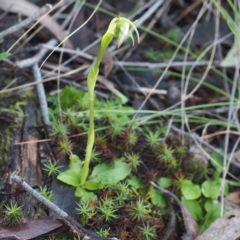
224 228
234 197
30 229
27 9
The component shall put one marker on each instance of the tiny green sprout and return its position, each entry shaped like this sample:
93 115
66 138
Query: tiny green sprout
107 213
100 139
69 116
86 210
180 150
120 28
60 131
45 193
162 129
95 156
123 188
139 211
108 202
103 232
153 138
131 138
108 107
133 160
172 163
110 183
51 168
147 232
121 198
64 147
12 214
115 129
166 154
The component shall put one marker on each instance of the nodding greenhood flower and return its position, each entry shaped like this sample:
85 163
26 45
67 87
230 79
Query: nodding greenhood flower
120 27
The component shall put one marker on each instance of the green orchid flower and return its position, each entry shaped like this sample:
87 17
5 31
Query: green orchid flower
120 28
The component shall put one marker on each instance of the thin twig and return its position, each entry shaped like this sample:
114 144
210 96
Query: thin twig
164 64
41 94
26 22
45 80
37 58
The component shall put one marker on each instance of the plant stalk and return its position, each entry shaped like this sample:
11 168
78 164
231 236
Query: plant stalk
91 82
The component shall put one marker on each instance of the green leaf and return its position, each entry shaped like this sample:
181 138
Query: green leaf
194 208
134 182
164 182
157 197
213 209
69 177
190 190
92 185
211 188
75 163
85 196
114 172
4 55
217 161
232 183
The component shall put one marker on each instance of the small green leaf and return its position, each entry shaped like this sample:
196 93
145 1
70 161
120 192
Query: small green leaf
190 190
217 161
75 163
69 177
164 182
211 188
157 197
4 55
213 209
117 171
134 182
194 208
85 196
92 185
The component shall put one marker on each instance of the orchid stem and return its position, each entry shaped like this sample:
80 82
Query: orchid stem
119 27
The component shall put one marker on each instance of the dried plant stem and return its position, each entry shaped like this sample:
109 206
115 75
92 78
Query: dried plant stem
26 22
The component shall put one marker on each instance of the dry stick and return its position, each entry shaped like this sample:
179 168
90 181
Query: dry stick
142 9
62 7
45 80
164 64
188 10
63 215
10 237
34 25
155 18
150 65
189 222
38 57
27 21
66 38
41 95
